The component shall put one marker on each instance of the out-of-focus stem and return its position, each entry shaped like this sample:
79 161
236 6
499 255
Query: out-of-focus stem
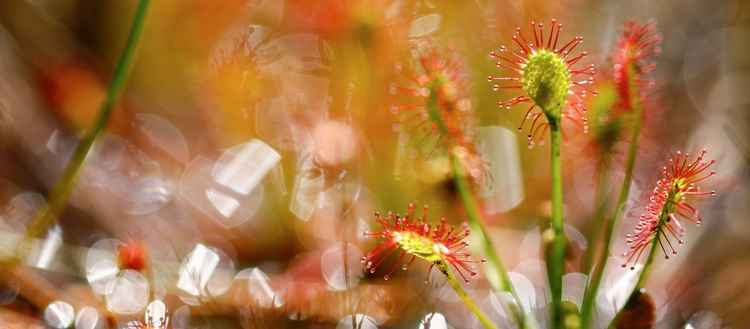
609 226
494 268
556 258
62 189
600 204
466 299
643 276
647 265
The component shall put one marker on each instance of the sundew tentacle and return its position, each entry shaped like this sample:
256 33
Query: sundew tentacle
410 235
552 79
669 204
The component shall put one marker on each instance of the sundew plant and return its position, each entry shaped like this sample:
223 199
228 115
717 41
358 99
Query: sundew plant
374 164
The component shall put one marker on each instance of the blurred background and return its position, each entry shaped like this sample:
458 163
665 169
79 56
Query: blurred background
255 139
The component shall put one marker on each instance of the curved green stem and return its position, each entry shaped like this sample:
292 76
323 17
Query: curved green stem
647 266
494 268
609 226
556 258
62 189
600 204
470 304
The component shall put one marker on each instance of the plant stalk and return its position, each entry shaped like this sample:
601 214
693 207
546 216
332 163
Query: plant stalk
600 204
61 191
609 226
466 299
556 261
494 268
647 266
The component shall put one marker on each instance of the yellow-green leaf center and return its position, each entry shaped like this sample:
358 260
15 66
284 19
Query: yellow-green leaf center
420 246
546 79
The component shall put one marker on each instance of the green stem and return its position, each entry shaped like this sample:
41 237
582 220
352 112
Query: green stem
470 304
609 226
647 266
494 268
556 261
600 202
61 191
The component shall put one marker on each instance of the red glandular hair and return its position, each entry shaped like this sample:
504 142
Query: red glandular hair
512 62
633 60
411 237
433 102
669 205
